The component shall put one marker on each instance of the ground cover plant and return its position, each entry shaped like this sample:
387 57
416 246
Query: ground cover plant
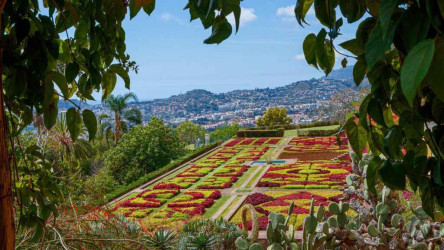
279 202
309 175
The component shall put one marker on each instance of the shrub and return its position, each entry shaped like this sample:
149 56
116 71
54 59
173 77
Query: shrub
261 133
316 132
124 189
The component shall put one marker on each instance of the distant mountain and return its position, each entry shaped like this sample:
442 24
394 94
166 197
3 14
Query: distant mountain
69 104
341 74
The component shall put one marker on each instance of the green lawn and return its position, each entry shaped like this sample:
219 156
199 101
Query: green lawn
294 132
215 207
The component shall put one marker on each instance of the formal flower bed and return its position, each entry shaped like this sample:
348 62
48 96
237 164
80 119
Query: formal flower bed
231 170
195 171
144 203
279 202
251 154
234 142
177 183
316 175
273 141
247 141
325 141
260 141
215 182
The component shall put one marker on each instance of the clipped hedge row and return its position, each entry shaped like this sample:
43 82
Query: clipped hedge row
261 133
150 176
317 124
315 132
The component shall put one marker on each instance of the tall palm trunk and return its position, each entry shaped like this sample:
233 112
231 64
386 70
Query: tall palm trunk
116 127
7 227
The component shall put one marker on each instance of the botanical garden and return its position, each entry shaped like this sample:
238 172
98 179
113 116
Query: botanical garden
370 179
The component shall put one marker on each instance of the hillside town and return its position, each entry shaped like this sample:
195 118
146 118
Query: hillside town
304 101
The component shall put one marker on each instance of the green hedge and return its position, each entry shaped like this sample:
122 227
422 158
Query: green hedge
317 124
315 132
261 133
148 177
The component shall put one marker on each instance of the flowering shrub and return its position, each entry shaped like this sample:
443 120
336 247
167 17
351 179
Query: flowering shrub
195 172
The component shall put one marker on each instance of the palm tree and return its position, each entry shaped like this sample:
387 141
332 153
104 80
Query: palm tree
70 151
118 104
104 127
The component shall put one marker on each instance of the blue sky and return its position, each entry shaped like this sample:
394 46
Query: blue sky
172 59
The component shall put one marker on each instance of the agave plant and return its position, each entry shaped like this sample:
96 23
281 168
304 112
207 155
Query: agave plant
162 239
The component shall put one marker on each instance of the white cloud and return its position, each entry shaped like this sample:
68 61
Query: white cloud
299 57
287 13
247 15
167 17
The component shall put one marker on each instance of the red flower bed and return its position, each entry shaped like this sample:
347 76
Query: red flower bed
273 141
166 186
247 141
258 198
260 141
234 142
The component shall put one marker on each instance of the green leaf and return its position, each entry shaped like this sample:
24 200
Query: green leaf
357 136
325 12
359 70
74 123
353 46
16 84
50 106
118 69
309 47
115 9
220 32
325 54
353 10
109 80
334 208
415 68
344 62
393 142
237 14
134 8
375 47
301 10
60 80
90 121
385 15
71 72
413 27
372 174
393 175
149 8
436 73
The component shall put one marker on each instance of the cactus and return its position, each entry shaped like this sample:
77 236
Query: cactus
254 222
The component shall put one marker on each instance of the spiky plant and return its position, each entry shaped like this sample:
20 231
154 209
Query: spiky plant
162 239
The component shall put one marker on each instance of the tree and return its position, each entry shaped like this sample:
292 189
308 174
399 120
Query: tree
119 104
225 132
399 47
143 149
87 57
344 102
274 116
189 132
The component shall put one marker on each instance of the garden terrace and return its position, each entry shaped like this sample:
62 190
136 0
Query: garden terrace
218 184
